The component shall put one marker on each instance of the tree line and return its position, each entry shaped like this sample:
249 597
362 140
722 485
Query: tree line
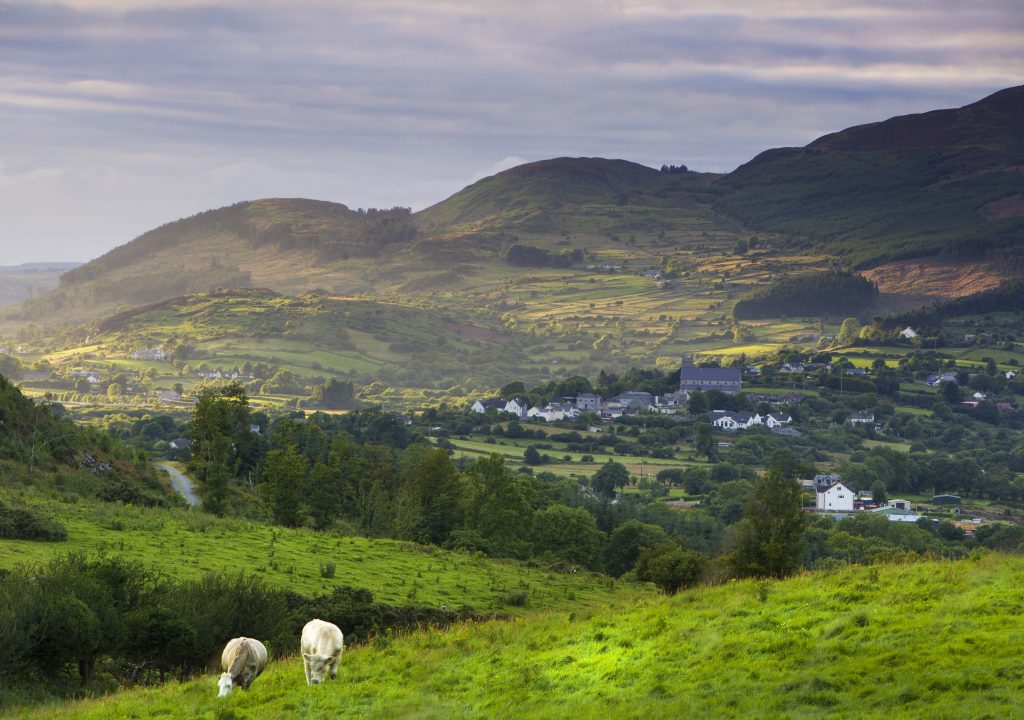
834 292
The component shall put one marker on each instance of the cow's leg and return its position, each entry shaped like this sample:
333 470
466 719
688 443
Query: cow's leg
305 665
334 667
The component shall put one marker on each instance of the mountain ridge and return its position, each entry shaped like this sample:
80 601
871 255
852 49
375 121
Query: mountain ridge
938 184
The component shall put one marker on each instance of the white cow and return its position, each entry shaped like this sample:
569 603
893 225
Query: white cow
322 643
242 661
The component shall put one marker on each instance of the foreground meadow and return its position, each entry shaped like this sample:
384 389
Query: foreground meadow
925 639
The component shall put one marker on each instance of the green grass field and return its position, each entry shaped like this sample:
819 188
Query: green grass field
188 543
901 641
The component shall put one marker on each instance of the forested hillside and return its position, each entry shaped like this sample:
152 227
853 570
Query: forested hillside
946 182
829 293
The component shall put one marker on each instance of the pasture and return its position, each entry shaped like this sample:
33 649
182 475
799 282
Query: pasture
187 543
899 641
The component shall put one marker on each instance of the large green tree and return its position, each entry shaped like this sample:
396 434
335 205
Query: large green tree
428 502
704 441
770 538
283 486
324 495
223 445
609 476
497 506
568 533
625 543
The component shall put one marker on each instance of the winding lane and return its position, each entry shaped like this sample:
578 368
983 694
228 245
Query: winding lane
181 483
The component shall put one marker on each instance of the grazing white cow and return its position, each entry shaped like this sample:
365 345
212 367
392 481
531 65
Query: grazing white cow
242 661
322 643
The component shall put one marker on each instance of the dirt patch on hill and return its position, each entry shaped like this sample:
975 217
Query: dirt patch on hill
1008 207
933 278
475 333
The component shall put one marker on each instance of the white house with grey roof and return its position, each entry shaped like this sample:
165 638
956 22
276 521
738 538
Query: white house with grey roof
835 496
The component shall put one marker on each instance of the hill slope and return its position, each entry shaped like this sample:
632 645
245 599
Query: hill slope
296 245
40 448
557 195
929 639
946 181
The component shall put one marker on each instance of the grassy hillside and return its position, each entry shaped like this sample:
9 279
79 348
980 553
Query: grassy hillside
946 181
185 544
928 639
571 195
41 447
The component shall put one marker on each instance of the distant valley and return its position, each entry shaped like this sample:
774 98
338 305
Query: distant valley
18 282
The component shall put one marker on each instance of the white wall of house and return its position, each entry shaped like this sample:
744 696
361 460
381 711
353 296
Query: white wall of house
837 497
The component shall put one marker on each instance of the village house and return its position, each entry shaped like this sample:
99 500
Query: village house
611 410
670 403
481 406
835 496
692 378
935 380
168 396
775 419
588 402
553 411
518 407
908 333
821 482
726 420
634 400
153 353
862 418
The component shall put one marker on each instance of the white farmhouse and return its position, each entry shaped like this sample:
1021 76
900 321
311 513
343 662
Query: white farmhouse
518 407
835 497
908 333
774 420
481 406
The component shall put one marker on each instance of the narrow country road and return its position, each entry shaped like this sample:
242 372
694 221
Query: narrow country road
181 483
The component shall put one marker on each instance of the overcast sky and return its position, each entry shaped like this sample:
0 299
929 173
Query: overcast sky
120 115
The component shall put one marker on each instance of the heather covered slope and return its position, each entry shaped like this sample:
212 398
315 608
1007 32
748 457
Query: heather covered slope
923 639
944 182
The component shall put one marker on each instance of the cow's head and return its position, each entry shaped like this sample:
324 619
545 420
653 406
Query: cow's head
318 665
225 683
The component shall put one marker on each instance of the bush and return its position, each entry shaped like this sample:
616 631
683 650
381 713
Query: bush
21 523
669 567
